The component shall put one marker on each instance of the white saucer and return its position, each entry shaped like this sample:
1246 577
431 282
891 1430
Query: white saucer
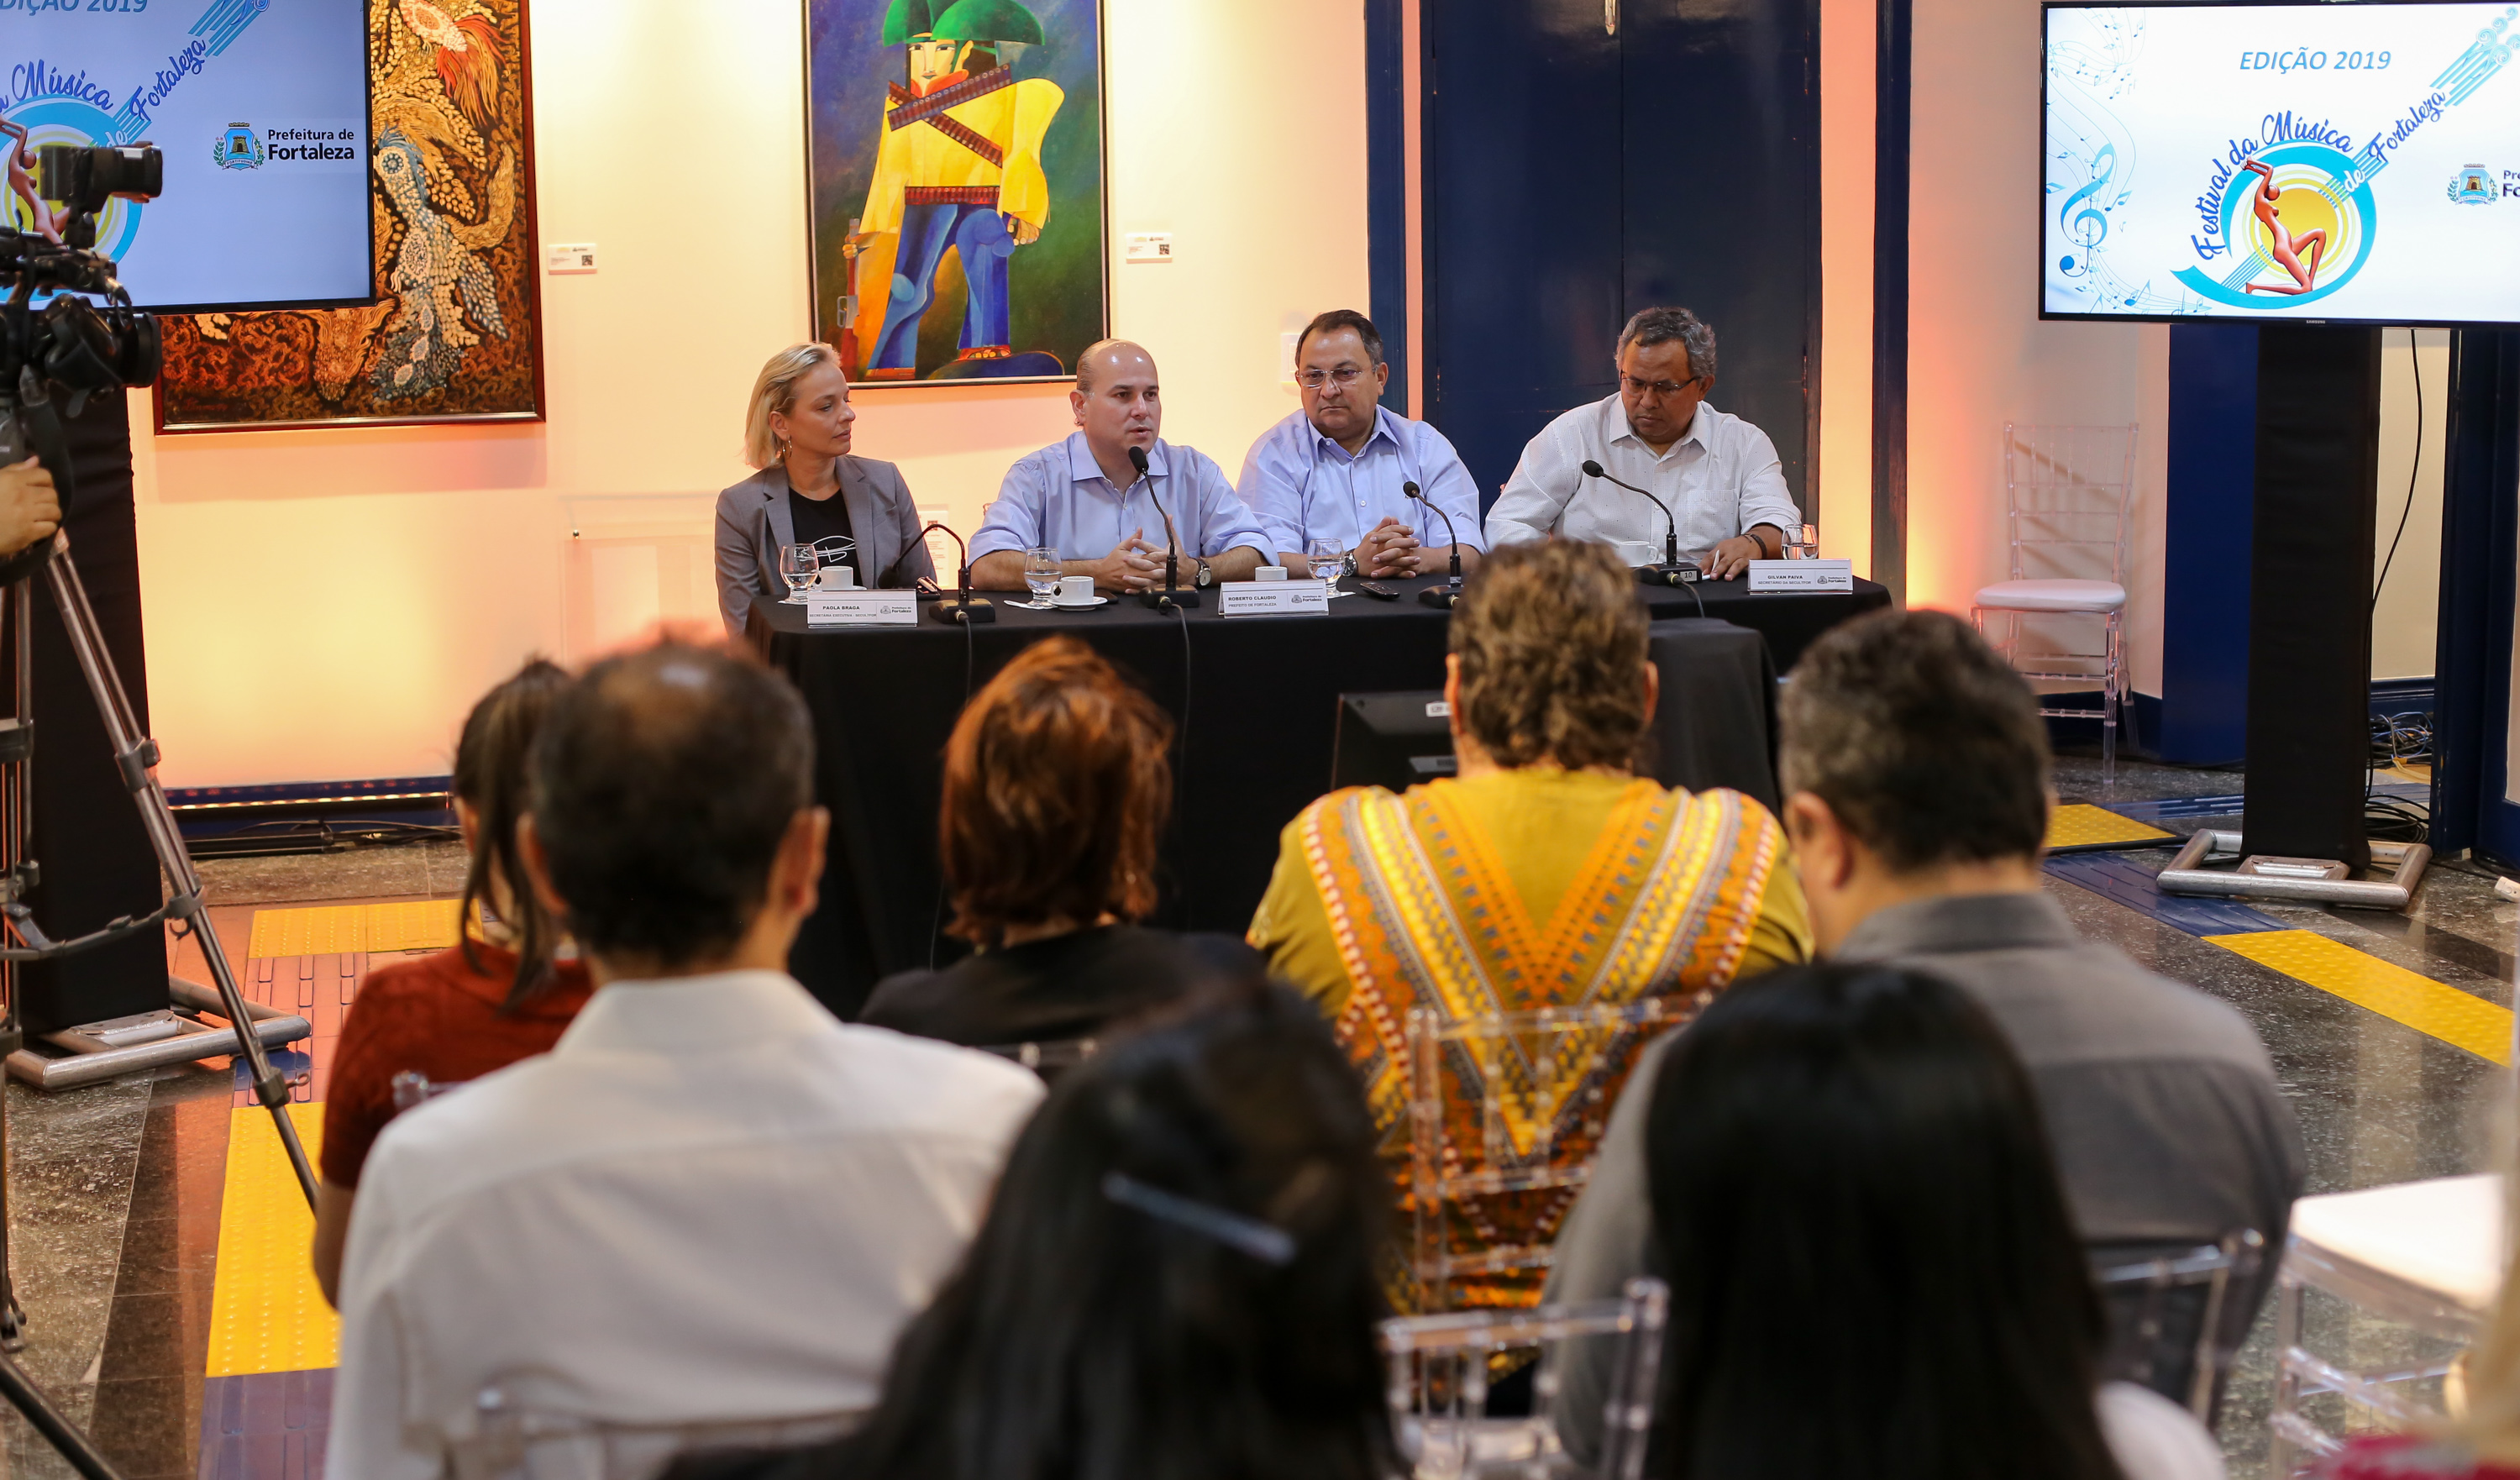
1064 604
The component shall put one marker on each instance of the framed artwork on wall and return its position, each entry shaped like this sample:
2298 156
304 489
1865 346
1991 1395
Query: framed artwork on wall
456 331
955 185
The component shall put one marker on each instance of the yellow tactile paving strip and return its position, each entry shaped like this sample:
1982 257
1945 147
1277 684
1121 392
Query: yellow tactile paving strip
266 1315
331 930
2422 1003
2083 826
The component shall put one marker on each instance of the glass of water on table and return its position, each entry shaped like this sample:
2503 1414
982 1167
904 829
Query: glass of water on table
797 567
1329 560
1041 570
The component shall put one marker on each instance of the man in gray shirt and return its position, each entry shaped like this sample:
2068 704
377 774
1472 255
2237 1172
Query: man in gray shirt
1915 769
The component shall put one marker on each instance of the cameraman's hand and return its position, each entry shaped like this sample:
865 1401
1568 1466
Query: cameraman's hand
30 511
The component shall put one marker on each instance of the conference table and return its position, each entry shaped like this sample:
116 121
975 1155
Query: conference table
1256 700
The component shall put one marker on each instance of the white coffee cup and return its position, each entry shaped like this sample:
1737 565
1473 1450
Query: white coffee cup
1076 590
1270 573
837 578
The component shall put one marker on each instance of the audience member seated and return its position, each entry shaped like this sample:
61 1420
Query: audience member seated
1545 875
811 490
711 1201
1176 1278
1915 771
1086 498
29 507
1057 782
1338 467
1872 1274
503 993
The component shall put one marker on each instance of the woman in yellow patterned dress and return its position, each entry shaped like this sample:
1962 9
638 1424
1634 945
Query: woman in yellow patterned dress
1545 875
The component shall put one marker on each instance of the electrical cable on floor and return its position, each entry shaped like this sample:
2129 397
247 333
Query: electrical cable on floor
2416 365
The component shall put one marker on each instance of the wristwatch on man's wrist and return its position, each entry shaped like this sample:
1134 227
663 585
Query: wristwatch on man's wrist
1206 575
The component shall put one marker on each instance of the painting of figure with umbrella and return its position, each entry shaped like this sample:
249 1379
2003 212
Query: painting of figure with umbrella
955 178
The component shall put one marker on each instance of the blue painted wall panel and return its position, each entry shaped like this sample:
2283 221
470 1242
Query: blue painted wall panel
2205 575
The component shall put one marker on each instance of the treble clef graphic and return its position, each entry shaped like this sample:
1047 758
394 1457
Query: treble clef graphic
2089 225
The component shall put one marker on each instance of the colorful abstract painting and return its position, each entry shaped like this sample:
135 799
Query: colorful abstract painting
456 331
955 175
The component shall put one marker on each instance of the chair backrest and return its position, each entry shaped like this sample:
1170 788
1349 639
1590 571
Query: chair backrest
2065 501
1505 1112
2178 1315
514 1440
1439 1384
1050 1057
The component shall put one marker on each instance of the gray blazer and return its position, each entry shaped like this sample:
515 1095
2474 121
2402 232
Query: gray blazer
752 523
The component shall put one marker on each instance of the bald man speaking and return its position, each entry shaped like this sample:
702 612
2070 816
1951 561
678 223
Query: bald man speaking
1085 498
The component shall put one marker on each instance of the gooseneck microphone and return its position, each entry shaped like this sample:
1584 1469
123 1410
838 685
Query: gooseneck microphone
1450 593
963 607
1670 572
1171 598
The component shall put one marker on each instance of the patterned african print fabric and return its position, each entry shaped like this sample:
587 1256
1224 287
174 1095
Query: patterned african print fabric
1426 916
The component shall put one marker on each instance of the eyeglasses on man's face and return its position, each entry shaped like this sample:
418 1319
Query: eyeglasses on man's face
1343 376
1661 390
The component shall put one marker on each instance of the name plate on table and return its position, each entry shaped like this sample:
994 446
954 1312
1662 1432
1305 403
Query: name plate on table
1802 575
1273 599
861 608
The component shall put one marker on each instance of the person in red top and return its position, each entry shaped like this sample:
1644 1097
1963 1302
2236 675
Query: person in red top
500 995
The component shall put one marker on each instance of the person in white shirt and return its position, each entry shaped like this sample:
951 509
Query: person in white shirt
1717 474
1338 468
712 1203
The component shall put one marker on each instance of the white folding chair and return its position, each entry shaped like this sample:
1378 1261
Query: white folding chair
2175 1325
1439 1385
1505 1112
512 1440
2065 496
2423 1255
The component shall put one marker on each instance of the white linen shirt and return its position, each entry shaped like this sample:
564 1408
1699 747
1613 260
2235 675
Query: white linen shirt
1059 497
711 1201
1720 478
1305 487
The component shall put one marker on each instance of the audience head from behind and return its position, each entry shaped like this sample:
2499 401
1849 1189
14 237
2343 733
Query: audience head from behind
492 787
1176 1276
1915 765
1057 784
1548 665
1873 1276
673 821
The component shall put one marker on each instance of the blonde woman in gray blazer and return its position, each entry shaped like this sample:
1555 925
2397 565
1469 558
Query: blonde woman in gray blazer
797 433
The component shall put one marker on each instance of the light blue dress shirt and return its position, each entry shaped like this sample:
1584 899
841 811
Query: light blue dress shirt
1305 487
1059 497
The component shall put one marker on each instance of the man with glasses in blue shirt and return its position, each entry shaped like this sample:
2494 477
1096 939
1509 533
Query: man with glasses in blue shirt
1334 470
1718 473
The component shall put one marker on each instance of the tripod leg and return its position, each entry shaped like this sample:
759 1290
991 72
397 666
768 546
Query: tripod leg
137 756
58 1430
17 845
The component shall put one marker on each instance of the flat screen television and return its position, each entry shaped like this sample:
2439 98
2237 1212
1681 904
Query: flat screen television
2343 163
262 109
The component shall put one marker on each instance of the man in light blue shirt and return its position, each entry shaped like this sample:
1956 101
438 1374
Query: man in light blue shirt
1334 470
1085 499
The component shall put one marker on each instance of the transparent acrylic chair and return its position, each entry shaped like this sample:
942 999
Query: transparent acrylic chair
2425 1256
2065 496
514 1439
2177 1317
1505 1112
1439 1385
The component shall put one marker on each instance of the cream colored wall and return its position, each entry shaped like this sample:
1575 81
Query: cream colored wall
2405 618
1846 205
325 605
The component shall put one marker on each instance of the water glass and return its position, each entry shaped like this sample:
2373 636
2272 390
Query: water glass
1329 560
1041 570
797 567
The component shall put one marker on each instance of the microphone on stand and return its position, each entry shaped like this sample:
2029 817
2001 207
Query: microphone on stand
1449 594
1171 598
963 607
1670 572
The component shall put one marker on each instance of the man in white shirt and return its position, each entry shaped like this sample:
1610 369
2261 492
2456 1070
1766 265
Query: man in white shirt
713 1203
1338 468
1717 474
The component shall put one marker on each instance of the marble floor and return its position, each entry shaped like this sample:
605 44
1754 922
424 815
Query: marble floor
117 1193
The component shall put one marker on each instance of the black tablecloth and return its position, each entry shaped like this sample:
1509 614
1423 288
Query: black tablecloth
1256 699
